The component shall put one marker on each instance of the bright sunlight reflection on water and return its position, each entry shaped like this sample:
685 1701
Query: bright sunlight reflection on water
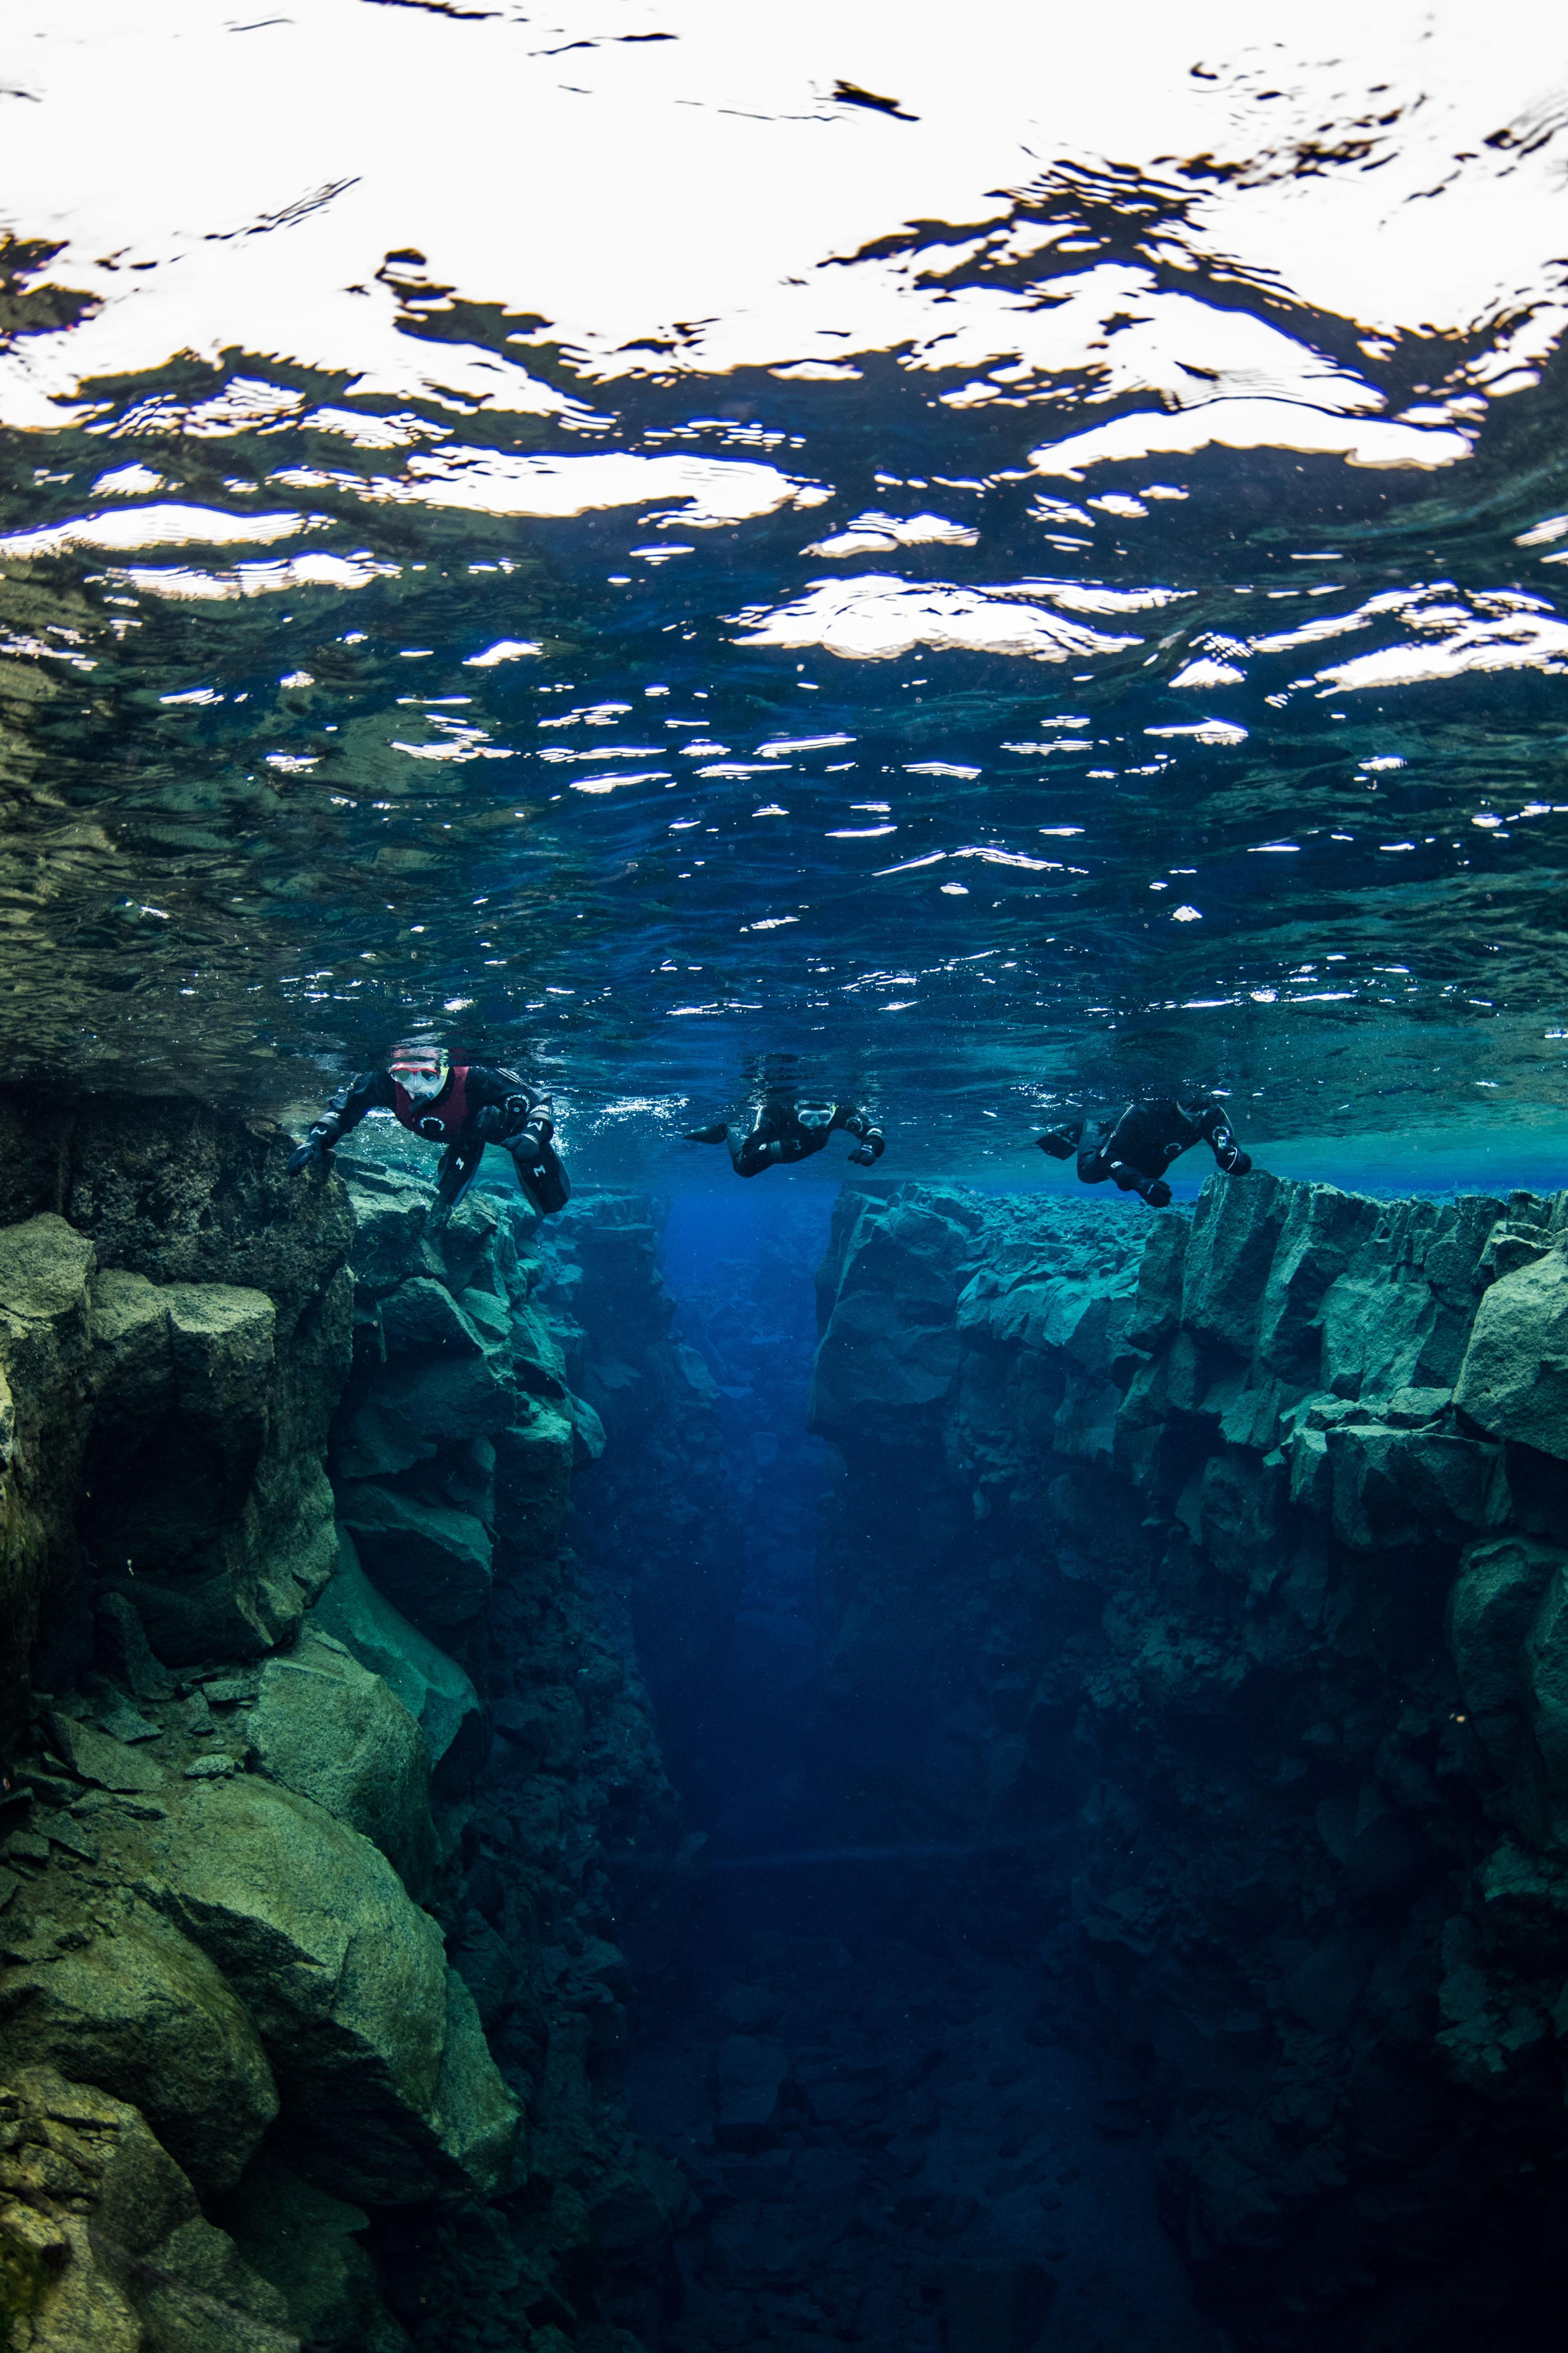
649 538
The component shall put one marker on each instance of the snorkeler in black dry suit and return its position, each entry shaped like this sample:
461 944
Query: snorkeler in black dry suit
1135 1150
783 1130
464 1106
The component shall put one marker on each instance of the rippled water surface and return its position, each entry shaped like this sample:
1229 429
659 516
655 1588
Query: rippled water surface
995 559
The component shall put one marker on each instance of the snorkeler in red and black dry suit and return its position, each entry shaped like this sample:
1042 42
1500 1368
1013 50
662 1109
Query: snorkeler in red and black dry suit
782 1130
465 1106
1135 1150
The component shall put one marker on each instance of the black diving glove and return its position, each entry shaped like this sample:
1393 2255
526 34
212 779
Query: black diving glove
1157 1193
489 1123
1239 1166
312 1153
870 1149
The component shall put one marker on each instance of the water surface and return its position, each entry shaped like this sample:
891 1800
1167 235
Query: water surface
989 570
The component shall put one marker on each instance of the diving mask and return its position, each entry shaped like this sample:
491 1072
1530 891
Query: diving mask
420 1071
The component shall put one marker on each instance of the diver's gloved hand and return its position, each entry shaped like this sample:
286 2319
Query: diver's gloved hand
1157 1193
1229 1154
489 1123
319 1142
1056 1145
870 1148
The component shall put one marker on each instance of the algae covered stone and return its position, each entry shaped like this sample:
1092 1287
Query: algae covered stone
103 2245
140 2012
432 1560
1514 1377
44 1268
345 1978
327 1727
432 1686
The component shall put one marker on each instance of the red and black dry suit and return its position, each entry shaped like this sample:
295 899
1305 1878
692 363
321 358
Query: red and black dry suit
478 1105
1135 1150
782 1131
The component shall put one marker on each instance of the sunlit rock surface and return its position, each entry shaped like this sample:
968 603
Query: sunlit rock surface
1216 1566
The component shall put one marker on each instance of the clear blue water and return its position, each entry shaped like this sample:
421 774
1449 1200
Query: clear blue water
593 539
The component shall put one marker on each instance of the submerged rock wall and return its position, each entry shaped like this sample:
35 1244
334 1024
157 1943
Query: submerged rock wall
310 2009
1209 1577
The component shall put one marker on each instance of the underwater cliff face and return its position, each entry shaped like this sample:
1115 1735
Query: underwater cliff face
1213 1574
304 1912
1191 1593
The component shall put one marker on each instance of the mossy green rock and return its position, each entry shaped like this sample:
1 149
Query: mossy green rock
432 1687
346 1980
103 2245
44 1268
892 1351
144 2014
432 1560
422 1315
389 1214
327 1727
421 1404
1514 1377
1225 1274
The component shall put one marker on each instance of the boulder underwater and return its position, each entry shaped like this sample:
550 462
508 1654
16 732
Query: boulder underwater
329 1729
141 2010
347 1982
103 2244
431 1685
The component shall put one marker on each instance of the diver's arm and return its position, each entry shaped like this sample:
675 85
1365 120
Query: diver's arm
1218 1132
505 1111
869 1139
372 1090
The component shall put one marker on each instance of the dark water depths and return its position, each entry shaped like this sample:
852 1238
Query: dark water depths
949 2118
606 539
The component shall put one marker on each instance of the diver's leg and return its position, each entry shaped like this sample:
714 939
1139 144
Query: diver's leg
1154 1189
541 1174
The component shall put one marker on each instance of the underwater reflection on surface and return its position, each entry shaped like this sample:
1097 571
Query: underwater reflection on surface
643 548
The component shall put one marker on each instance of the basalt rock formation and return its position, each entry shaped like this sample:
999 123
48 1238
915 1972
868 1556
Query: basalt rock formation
1212 1573
318 1753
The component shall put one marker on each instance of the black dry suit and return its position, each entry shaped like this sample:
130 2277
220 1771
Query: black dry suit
1135 1150
782 1130
477 1107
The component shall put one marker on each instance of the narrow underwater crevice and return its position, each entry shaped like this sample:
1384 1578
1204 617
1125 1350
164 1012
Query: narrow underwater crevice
895 2136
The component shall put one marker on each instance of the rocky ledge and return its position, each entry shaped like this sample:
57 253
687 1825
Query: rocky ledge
319 1757
1209 1576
